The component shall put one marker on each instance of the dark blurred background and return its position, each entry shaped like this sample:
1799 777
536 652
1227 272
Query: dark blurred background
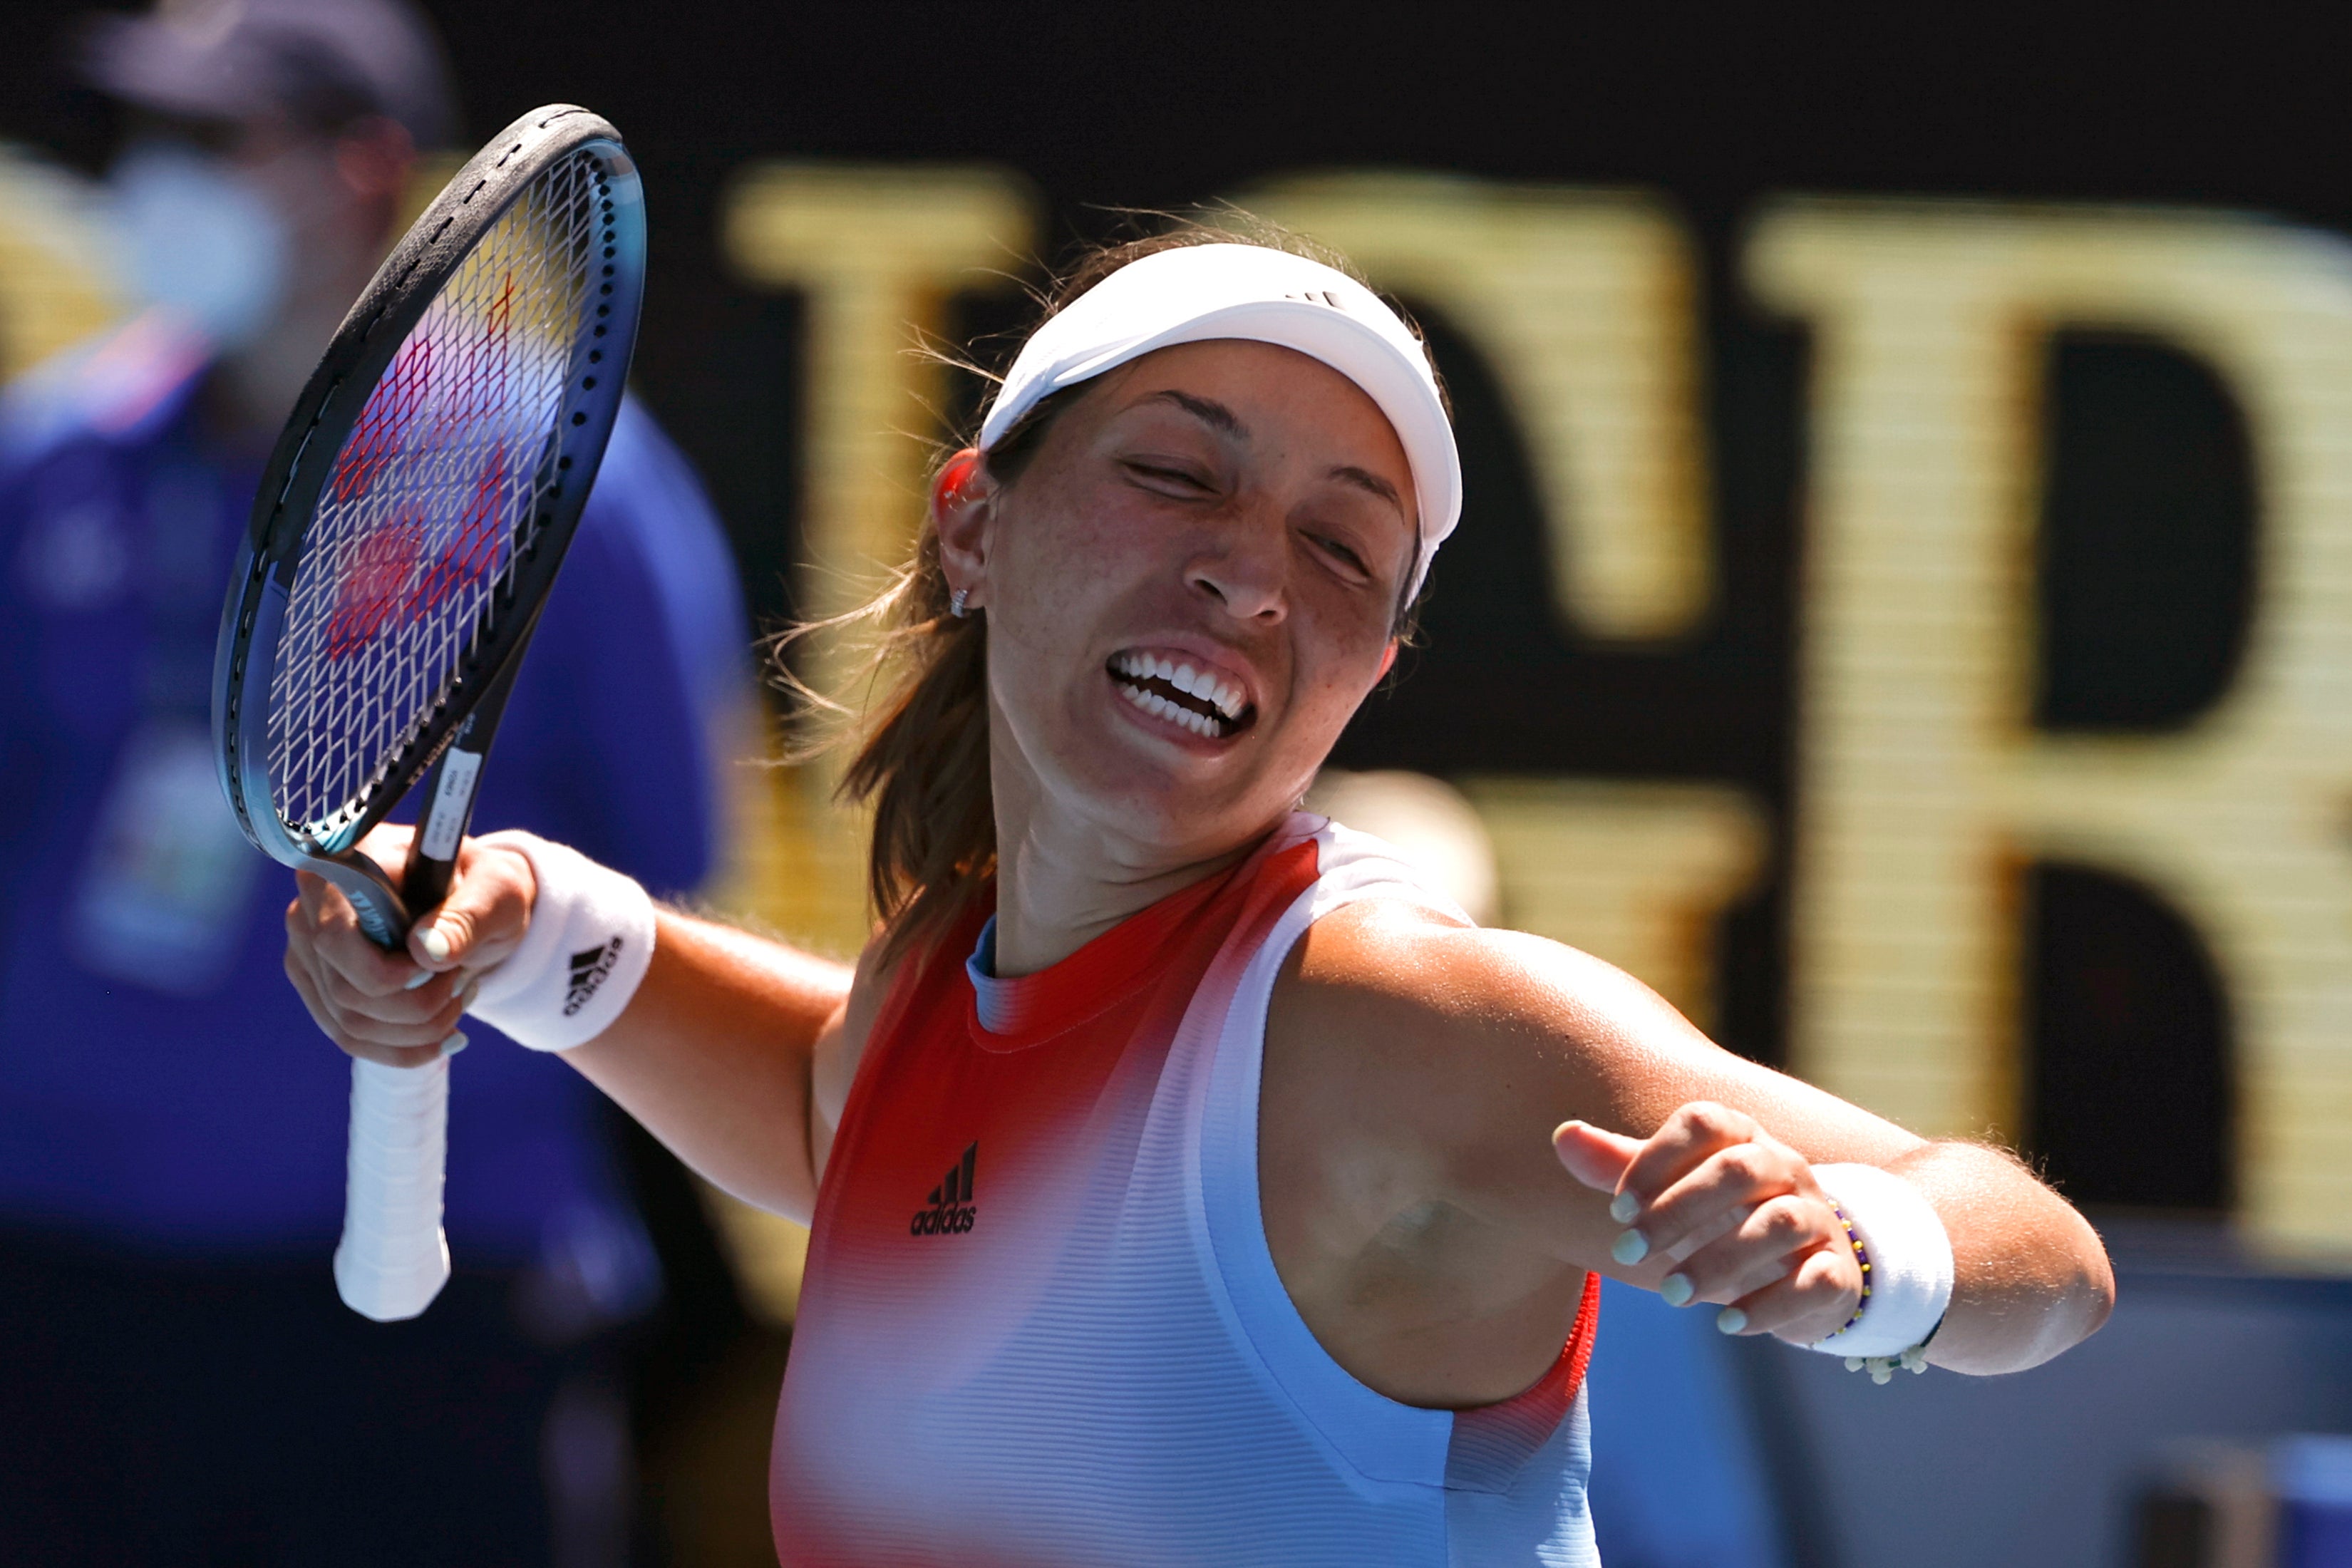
2147 501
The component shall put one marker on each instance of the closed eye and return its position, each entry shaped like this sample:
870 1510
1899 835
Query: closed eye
1162 478
1341 554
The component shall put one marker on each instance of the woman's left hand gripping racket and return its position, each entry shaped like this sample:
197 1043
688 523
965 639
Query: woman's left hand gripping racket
407 530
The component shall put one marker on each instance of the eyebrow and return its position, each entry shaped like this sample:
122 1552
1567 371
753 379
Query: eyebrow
1207 410
1365 480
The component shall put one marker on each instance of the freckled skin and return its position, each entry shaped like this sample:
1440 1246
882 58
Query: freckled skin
1137 523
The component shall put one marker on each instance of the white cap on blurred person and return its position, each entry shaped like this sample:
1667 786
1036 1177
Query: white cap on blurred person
322 64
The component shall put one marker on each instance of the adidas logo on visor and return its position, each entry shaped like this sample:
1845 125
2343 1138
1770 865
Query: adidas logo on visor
949 1210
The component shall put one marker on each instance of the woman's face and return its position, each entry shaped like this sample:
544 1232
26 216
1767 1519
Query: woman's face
1188 590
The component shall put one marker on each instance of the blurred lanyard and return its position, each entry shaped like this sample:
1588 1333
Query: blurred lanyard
167 875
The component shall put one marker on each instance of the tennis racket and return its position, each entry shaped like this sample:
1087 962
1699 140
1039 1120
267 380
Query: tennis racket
408 527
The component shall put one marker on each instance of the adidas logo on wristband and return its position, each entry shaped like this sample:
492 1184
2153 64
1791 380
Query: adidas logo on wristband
589 969
589 945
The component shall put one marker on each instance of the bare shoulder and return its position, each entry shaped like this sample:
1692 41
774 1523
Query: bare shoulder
1390 974
1399 1040
1415 1071
1425 1034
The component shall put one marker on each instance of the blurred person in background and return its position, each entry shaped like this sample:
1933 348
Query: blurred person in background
180 1384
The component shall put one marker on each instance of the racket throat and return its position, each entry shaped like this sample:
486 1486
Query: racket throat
450 796
451 804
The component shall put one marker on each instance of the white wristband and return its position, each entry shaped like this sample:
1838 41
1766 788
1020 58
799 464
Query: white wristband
590 942
1910 1280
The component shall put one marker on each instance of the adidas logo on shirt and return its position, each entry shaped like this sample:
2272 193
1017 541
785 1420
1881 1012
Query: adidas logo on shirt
589 969
951 1210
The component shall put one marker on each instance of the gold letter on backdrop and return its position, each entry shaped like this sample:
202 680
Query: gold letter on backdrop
1635 873
1922 786
875 250
56 277
1581 303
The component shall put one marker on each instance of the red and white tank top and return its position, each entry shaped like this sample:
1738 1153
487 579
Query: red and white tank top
1040 1325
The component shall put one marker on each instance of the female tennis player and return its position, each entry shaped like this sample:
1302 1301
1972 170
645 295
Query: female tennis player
1190 1184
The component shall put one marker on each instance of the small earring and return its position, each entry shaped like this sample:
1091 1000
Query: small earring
955 603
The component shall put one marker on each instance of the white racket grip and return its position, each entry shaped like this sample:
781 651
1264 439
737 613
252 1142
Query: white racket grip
393 1258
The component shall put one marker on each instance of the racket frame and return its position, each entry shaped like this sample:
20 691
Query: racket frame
304 459
394 1257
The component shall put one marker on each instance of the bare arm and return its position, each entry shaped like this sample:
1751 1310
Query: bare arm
714 1053
725 1053
1416 1076
2032 1277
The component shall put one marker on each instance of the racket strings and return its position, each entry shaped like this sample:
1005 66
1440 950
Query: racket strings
410 555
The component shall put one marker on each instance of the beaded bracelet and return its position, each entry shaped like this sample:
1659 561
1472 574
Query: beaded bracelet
1862 1256
1881 1367
1906 1260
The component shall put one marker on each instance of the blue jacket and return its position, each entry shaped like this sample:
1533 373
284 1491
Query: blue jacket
160 1083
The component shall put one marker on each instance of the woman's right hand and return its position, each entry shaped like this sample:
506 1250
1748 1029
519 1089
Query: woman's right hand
403 1008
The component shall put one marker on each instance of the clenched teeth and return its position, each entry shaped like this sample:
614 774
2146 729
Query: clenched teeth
1223 695
1200 724
1216 708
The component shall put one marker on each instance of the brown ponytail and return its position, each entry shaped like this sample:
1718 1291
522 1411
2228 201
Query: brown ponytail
921 748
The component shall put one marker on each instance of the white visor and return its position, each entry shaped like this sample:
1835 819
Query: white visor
1197 293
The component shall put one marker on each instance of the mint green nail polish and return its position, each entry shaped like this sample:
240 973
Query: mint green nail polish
1677 1290
1731 1320
1623 1208
1630 1247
